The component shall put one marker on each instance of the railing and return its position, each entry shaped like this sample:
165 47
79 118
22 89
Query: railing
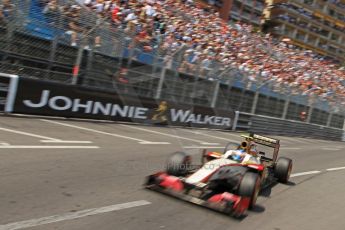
33 47
280 127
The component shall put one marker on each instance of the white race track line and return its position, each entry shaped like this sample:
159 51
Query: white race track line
169 135
45 138
4 143
335 169
324 141
290 148
47 147
334 146
331 149
106 133
304 173
238 135
67 142
309 141
316 172
222 147
71 215
29 134
291 140
208 135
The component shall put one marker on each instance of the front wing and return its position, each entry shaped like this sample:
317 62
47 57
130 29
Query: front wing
174 186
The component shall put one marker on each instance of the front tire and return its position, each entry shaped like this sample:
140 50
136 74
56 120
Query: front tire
250 187
178 164
283 169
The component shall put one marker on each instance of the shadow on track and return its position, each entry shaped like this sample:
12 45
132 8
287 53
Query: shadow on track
266 192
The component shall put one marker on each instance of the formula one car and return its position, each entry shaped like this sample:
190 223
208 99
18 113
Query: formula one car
228 182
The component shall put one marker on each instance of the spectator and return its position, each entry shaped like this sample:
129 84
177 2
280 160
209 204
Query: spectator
120 80
74 28
303 116
6 11
51 10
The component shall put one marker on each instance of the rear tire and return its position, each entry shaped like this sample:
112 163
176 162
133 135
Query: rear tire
250 187
283 169
178 164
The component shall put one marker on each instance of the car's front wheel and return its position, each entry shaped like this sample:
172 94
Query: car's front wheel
250 187
178 164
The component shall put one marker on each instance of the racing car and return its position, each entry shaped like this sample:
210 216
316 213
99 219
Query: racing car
227 181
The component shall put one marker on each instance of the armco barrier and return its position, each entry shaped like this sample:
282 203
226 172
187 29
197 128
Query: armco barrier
276 126
57 99
243 121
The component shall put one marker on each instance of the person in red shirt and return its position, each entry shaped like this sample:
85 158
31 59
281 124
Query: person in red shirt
115 15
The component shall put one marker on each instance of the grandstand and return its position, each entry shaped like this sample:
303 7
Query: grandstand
129 46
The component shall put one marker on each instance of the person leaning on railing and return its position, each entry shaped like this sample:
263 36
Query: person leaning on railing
7 9
51 11
73 24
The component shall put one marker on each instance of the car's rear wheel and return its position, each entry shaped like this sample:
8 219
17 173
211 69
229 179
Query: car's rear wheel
283 169
178 164
250 187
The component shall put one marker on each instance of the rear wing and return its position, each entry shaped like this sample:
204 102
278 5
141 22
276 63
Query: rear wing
262 140
266 141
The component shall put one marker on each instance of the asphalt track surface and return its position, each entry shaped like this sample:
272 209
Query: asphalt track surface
84 175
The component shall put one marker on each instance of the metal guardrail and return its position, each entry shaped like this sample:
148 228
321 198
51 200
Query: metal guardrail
276 126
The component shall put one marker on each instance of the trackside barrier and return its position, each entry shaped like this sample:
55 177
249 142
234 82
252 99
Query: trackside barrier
37 97
275 126
243 121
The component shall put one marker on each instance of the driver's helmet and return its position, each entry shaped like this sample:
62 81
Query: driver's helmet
237 156
243 145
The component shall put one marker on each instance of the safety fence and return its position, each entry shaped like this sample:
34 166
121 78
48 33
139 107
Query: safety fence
47 98
275 126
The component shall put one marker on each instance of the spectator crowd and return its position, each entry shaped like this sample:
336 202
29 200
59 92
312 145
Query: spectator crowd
170 25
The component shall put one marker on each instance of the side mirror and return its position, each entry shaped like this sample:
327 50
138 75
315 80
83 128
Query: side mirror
262 153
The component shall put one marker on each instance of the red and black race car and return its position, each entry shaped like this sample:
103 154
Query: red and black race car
228 182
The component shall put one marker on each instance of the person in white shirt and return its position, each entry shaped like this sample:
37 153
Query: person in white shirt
130 17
